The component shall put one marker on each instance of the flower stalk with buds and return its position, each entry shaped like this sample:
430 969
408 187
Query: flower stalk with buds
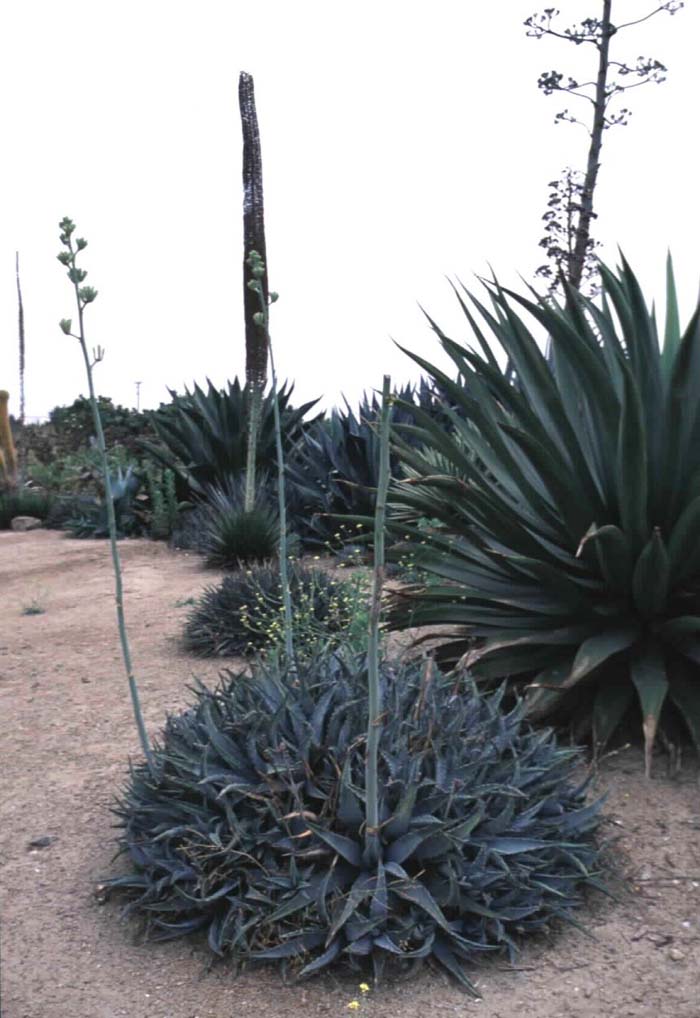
85 295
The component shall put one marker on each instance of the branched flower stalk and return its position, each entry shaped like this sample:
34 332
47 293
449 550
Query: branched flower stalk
262 321
85 295
374 712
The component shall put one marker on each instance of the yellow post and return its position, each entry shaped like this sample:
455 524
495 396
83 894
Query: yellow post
8 454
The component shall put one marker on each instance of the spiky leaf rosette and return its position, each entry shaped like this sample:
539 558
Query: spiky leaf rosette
232 534
203 434
565 507
254 831
333 471
243 613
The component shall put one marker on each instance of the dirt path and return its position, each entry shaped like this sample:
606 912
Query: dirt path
66 735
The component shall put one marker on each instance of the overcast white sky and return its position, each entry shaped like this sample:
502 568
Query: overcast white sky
402 142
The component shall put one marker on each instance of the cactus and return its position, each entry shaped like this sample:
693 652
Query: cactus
8 455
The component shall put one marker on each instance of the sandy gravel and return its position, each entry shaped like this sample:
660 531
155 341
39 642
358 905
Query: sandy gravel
66 736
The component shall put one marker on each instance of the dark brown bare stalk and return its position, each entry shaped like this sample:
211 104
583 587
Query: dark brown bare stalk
583 226
256 341
570 209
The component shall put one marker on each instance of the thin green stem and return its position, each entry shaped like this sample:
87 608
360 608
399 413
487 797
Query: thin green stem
374 712
111 517
281 496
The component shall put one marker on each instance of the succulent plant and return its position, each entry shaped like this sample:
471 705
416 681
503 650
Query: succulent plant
232 535
334 469
92 520
253 833
565 508
242 614
203 433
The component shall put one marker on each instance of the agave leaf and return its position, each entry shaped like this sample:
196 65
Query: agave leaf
328 956
632 488
672 332
546 689
562 486
680 628
614 555
684 691
682 410
648 672
650 582
386 943
360 890
611 702
405 846
596 650
512 846
345 847
292 947
349 809
684 543
302 899
448 960
419 895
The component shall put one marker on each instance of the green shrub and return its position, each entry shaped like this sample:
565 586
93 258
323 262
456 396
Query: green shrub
566 509
244 613
253 831
23 502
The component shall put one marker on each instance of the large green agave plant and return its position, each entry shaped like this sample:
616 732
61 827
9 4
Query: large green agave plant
254 830
565 507
203 434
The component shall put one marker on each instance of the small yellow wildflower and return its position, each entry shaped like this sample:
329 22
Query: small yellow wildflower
364 988
353 1005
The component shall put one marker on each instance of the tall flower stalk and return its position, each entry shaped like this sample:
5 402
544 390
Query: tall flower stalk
261 318
374 712
85 295
256 340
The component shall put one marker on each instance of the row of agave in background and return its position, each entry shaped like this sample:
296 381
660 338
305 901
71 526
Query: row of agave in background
179 471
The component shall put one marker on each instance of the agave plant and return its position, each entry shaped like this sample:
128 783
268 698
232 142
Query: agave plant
565 508
203 434
230 533
253 832
334 470
92 519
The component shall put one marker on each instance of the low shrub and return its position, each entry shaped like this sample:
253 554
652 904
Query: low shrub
244 613
23 502
188 528
253 831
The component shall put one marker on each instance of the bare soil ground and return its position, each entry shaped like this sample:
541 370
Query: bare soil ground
66 735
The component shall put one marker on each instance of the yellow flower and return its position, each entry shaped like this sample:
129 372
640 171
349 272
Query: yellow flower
364 988
353 1005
